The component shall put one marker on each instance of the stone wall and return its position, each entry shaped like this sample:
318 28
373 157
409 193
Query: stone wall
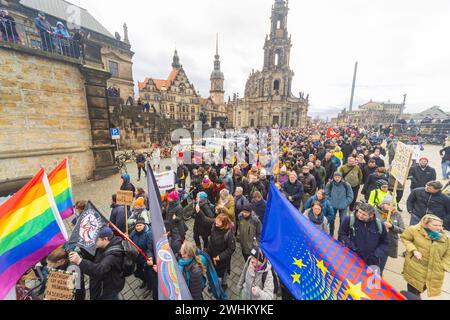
43 116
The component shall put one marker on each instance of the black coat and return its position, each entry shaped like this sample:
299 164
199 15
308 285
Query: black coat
330 168
118 217
347 150
420 177
371 183
195 279
105 272
259 207
295 191
421 203
202 226
222 244
176 210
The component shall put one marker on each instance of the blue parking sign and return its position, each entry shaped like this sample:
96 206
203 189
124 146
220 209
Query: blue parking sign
115 133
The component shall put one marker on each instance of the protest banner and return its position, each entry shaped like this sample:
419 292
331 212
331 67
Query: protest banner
165 180
60 286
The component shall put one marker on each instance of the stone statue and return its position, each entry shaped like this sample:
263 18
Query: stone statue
118 37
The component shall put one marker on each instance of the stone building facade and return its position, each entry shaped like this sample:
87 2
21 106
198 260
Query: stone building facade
115 55
268 97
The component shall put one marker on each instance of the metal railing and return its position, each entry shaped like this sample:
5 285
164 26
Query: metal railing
30 37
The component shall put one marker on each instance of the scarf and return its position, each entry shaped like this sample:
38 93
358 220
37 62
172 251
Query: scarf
435 236
316 220
183 264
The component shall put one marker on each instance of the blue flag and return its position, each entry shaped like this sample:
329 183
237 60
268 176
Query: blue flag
171 283
313 265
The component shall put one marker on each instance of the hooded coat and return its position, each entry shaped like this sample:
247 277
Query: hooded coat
421 203
421 176
178 223
249 229
222 244
430 271
251 278
294 190
327 208
340 194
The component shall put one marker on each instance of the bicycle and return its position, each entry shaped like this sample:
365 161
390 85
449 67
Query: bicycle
24 293
120 163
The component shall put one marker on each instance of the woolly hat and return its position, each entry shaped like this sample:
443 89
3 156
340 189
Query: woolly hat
387 200
206 180
424 158
202 196
337 174
105 232
140 221
139 202
173 196
247 208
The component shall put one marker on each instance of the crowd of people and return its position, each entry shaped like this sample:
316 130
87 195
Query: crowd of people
341 185
53 38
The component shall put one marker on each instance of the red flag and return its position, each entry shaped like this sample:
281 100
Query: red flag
332 134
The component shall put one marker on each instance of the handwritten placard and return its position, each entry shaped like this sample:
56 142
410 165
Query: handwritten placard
60 286
125 198
401 163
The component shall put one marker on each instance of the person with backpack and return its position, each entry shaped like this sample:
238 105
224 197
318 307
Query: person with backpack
352 174
257 280
340 194
250 228
379 193
393 221
142 236
106 279
193 268
371 184
202 229
365 234
222 245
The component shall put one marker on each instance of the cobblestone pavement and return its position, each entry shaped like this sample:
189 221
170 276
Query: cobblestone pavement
100 192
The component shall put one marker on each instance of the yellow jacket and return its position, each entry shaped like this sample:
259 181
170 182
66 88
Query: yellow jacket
430 271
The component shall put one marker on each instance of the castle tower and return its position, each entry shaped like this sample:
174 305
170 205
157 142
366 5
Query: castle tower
176 61
217 79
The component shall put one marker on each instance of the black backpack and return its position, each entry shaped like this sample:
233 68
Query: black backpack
130 256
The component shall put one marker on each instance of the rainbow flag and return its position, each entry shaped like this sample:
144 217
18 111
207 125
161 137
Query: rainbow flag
61 185
30 229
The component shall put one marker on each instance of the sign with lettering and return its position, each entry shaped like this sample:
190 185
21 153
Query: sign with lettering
115 133
401 163
60 286
165 180
125 198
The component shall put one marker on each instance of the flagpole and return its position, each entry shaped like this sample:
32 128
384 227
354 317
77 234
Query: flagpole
129 240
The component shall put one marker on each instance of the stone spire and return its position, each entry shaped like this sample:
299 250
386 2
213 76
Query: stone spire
125 33
217 79
176 60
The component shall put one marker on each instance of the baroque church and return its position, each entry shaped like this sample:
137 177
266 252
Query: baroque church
268 97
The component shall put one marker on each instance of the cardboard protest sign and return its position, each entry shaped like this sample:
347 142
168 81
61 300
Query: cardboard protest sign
125 198
60 286
401 163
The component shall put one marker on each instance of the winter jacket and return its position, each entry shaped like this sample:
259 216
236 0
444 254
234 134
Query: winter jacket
327 208
118 217
251 278
222 244
337 161
182 173
266 184
325 226
259 207
380 162
218 186
347 150
445 153
139 213
208 189
322 173
229 184
430 271
105 272
239 203
394 233
367 171
193 275
144 240
421 176
340 194
241 181
377 196
421 203
176 209
248 230
230 210
201 225
294 190
127 185
353 175
367 242
330 168
309 183
372 183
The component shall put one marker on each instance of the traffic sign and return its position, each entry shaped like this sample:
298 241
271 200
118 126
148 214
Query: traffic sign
115 133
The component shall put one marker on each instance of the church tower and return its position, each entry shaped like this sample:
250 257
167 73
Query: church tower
277 48
176 61
217 79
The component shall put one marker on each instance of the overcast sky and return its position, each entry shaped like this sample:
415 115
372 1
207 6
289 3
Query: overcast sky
402 46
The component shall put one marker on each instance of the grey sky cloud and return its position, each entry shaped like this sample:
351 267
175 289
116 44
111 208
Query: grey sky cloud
400 45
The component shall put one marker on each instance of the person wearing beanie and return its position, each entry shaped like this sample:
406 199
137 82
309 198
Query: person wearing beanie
207 187
421 174
381 191
139 211
365 235
257 281
388 214
142 236
105 269
175 214
202 228
263 178
283 177
250 228
340 194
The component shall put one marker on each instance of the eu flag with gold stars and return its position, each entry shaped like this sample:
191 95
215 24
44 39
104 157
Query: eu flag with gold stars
311 264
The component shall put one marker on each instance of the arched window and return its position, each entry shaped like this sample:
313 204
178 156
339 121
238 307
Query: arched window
277 58
276 85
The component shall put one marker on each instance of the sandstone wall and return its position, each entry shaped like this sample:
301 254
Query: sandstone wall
43 116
